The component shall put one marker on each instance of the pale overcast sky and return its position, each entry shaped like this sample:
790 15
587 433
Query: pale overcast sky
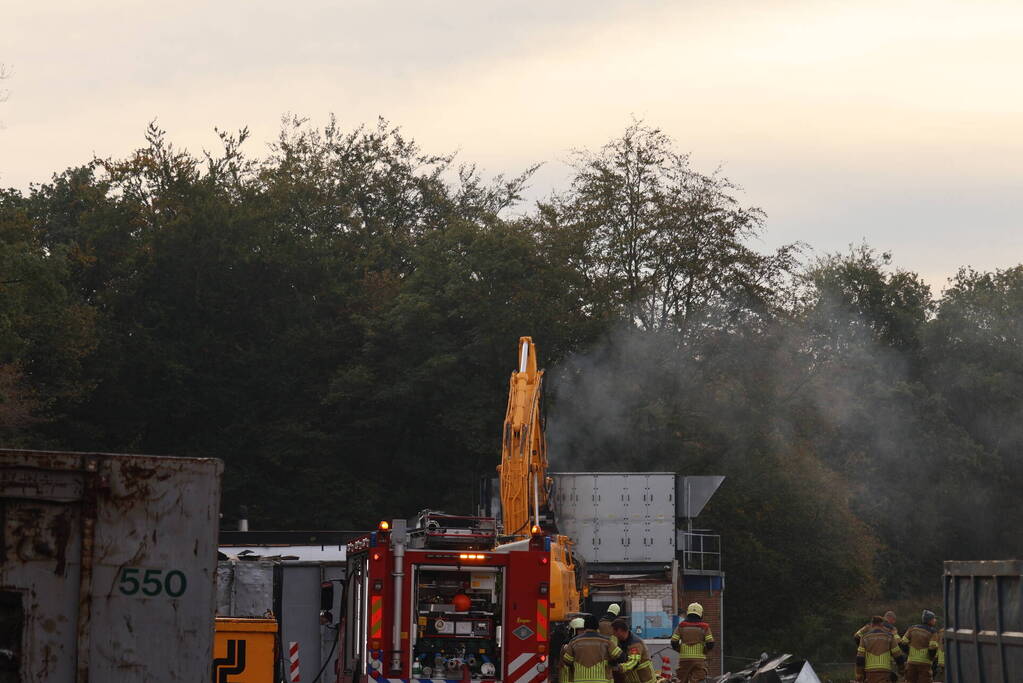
898 123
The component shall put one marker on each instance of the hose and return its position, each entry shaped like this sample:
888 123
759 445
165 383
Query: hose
327 660
339 627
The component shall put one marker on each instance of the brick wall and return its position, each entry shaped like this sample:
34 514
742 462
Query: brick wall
649 606
651 591
713 603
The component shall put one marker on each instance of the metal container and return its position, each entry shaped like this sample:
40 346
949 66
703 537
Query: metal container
618 517
245 590
108 566
245 650
294 580
984 622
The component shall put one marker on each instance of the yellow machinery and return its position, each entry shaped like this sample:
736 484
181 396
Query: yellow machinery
525 486
244 650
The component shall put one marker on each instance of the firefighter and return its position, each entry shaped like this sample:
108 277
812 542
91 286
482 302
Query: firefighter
574 627
591 655
636 667
888 624
692 640
921 643
605 620
604 626
878 654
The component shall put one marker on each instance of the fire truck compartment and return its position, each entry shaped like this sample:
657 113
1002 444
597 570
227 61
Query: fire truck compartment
444 638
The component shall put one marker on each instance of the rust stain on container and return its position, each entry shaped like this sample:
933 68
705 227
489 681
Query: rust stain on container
112 567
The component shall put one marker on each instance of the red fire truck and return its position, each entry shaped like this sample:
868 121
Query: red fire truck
441 599
438 599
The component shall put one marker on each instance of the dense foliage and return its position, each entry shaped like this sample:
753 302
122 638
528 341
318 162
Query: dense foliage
336 321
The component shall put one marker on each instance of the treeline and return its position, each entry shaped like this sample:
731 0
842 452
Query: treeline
337 318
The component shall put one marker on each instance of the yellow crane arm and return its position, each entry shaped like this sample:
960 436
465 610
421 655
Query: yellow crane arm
523 467
524 483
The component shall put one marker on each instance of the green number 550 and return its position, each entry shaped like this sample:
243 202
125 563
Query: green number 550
152 582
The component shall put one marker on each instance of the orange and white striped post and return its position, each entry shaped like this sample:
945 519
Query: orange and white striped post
665 667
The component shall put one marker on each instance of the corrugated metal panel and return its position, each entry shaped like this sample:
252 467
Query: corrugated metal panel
618 517
300 611
984 621
112 558
245 589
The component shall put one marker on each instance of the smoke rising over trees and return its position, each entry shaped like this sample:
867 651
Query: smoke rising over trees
337 320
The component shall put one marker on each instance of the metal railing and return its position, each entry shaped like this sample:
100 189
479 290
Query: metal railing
700 550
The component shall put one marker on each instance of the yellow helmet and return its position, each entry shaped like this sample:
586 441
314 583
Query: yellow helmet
578 622
614 609
695 608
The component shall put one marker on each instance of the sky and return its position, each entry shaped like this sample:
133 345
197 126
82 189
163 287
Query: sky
895 123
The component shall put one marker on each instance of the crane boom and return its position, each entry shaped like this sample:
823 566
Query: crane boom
525 487
523 465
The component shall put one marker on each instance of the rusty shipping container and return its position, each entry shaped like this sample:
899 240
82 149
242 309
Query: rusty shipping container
107 567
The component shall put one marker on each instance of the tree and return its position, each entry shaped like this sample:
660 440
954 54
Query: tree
976 352
863 405
46 332
974 348
664 245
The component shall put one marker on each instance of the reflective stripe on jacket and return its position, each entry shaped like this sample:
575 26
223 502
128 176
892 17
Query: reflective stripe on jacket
878 650
637 666
565 671
591 657
868 627
923 643
692 638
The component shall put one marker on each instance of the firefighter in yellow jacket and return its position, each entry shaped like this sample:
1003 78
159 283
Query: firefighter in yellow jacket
636 668
921 643
591 655
565 672
692 640
888 624
604 627
876 654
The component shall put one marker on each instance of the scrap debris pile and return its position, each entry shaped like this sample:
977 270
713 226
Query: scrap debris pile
783 669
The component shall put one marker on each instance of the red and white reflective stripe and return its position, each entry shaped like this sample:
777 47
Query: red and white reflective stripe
518 662
293 659
665 667
528 668
532 673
